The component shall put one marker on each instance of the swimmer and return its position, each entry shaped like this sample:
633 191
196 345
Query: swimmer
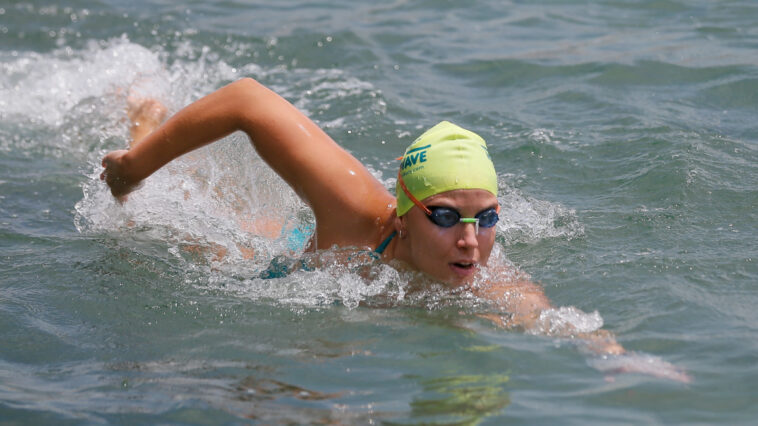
441 222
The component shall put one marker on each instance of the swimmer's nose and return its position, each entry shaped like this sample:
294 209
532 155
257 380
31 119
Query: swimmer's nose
467 237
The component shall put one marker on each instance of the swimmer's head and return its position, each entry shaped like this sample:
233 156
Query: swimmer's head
445 158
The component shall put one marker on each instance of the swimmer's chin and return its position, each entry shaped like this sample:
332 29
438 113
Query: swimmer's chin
463 270
459 275
422 280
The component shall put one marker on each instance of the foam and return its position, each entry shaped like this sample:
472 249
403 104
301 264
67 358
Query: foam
566 321
524 219
45 87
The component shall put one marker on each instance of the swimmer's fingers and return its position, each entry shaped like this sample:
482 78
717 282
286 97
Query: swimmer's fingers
115 175
640 363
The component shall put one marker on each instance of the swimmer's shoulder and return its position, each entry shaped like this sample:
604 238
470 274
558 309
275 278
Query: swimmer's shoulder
506 285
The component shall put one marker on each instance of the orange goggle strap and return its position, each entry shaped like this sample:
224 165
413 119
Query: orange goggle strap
410 196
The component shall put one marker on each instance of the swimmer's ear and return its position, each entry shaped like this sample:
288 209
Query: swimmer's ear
400 226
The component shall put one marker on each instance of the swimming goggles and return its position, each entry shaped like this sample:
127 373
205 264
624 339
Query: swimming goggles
447 217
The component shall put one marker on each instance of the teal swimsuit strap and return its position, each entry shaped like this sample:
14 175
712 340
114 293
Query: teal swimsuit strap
385 243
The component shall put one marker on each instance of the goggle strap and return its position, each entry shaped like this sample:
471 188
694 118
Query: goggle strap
410 196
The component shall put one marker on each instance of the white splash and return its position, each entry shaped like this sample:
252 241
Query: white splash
566 321
46 87
525 219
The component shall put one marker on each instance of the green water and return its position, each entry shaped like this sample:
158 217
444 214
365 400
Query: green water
623 133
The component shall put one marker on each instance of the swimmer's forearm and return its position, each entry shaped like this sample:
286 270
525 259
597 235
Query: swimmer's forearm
601 342
200 123
321 172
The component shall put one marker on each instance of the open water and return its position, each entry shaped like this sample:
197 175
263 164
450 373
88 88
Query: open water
624 132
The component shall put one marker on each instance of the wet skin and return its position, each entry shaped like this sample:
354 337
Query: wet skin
351 207
451 255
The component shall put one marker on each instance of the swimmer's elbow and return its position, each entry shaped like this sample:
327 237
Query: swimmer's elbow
245 103
244 92
246 84
256 105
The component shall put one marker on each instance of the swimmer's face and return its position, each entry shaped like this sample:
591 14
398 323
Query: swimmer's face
452 255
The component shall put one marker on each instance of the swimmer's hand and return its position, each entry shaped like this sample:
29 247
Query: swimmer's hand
641 363
116 174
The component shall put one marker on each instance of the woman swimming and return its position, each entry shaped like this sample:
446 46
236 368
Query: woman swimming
441 221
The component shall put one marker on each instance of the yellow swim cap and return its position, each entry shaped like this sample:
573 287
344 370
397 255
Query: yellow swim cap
444 158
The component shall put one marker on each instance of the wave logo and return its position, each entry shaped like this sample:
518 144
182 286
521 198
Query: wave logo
414 156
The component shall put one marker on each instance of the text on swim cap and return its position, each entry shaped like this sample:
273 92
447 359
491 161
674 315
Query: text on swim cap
414 156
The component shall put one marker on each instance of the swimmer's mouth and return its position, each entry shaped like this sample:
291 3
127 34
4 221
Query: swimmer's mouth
463 268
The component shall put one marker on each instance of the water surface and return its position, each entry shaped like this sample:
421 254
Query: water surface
623 133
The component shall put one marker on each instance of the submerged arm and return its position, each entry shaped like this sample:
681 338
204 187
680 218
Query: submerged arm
528 308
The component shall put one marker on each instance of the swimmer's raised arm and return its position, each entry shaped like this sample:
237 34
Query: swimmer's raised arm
346 199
